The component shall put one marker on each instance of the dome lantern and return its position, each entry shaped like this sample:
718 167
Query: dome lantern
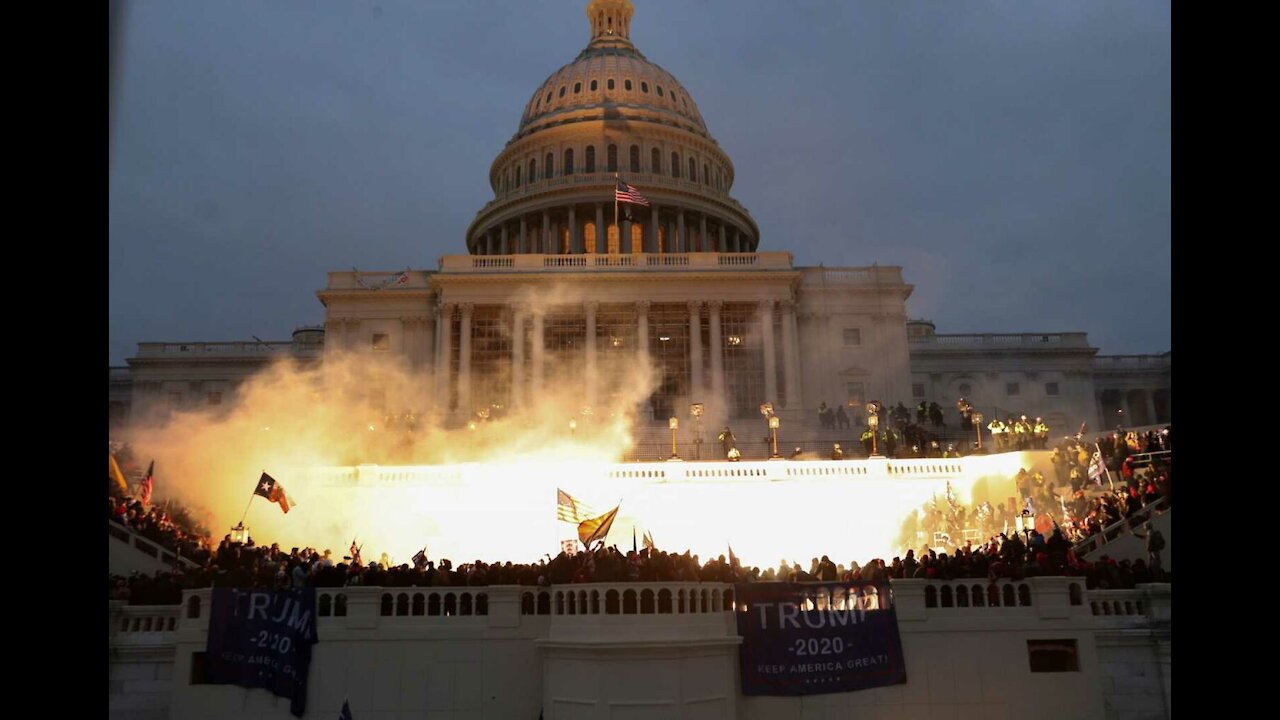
610 19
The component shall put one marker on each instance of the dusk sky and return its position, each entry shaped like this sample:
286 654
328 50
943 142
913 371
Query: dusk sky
1013 157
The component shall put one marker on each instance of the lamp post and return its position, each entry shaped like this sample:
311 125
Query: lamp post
977 425
674 424
696 410
873 422
240 534
774 423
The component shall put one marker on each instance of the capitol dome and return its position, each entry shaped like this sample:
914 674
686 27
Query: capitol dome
611 113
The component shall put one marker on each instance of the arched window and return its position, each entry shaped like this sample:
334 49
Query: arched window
612 156
644 87
577 88
568 161
533 169
589 237
609 83
659 89
613 240
655 161
626 84
518 176
662 238
549 167
561 91
635 158
706 174
591 159
594 85
693 170
637 237
506 179
675 165
548 97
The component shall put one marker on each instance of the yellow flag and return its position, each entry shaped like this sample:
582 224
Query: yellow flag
113 471
596 528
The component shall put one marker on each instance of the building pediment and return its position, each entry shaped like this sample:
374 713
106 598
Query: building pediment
854 371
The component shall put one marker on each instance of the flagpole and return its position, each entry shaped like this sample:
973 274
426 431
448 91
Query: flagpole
615 213
246 508
1105 469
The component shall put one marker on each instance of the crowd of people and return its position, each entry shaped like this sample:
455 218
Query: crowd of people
1057 513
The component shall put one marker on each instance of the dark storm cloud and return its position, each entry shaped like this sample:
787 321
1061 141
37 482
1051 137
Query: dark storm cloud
1013 157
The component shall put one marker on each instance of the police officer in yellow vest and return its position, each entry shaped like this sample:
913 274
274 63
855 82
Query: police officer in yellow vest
1022 433
1042 434
998 431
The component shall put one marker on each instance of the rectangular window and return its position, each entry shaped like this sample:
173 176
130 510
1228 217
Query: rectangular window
917 390
1051 388
1012 389
856 393
1053 656
199 671
213 398
852 336
381 341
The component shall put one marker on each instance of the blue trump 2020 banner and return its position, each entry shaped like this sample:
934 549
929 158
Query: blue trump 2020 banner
262 639
811 638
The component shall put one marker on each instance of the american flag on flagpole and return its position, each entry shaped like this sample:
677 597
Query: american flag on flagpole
571 509
628 194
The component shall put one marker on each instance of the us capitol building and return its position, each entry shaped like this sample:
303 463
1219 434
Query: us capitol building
557 285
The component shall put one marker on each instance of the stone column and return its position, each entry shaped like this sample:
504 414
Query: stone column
444 366
770 363
720 247
683 242
624 238
642 330
429 342
651 237
592 374
1151 406
705 244
464 360
695 351
524 233
715 346
1124 405
517 357
505 241
602 233
539 346
575 242
791 355
547 242
737 243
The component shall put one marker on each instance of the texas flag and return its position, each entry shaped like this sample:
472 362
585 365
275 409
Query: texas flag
271 489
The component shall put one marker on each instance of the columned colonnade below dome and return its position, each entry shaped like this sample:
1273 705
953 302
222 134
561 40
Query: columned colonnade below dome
589 228
507 355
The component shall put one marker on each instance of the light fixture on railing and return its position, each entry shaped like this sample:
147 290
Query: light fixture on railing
673 423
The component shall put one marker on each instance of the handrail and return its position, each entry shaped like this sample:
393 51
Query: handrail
146 545
1104 536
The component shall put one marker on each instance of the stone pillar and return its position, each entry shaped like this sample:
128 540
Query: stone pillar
1151 406
695 351
770 362
592 374
737 243
539 346
575 241
547 242
720 247
624 238
464 360
602 233
429 340
444 366
791 355
524 233
517 357
504 240
651 237
683 241
704 243
715 346
642 330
